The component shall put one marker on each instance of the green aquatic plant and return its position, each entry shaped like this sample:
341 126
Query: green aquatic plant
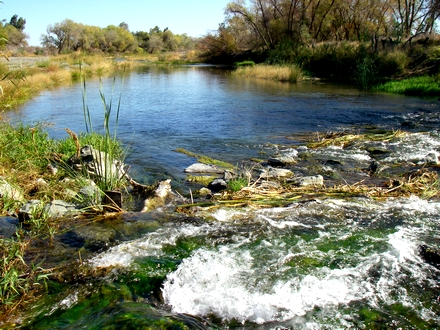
366 73
205 159
419 86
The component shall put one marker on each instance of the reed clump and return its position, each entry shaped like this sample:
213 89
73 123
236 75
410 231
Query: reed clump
287 73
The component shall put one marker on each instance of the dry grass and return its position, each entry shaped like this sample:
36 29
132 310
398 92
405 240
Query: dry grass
289 73
343 139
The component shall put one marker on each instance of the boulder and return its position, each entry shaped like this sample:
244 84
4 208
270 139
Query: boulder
281 161
315 180
59 208
89 196
217 185
54 209
276 173
7 190
203 168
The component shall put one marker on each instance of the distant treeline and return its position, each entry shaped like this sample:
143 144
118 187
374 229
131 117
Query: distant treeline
68 36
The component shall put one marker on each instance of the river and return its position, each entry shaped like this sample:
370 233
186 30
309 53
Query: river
320 264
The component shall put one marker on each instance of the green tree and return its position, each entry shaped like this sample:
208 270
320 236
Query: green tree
18 23
63 36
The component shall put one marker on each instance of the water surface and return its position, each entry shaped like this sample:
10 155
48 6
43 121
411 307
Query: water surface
320 264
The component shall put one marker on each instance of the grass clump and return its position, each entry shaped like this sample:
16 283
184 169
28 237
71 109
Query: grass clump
238 183
421 86
288 73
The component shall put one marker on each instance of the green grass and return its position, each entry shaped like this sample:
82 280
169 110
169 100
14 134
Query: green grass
418 86
238 183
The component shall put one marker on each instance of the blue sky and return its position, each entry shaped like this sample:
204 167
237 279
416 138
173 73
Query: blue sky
193 17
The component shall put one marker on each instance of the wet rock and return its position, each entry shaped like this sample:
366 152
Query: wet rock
8 227
281 161
7 190
376 151
430 255
217 185
204 168
408 124
332 162
432 158
276 173
315 180
373 168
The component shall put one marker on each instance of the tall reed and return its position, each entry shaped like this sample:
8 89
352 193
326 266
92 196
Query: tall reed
366 73
107 162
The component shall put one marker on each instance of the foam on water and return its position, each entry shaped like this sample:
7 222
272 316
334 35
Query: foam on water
311 256
231 283
152 244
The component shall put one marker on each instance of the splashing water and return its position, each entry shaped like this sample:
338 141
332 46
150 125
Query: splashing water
323 263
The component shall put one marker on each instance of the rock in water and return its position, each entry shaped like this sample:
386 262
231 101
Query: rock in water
203 168
430 255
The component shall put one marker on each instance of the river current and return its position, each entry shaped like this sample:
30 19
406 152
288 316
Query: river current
319 264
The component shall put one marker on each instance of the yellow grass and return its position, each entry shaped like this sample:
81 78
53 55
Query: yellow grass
289 73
